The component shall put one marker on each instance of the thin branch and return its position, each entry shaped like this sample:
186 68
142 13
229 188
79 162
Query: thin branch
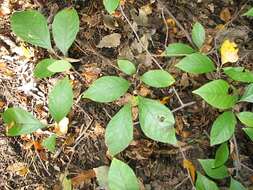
187 35
138 38
238 162
167 28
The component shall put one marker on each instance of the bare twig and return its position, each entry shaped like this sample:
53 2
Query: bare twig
187 35
188 172
138 38
167 28
181 183
237 161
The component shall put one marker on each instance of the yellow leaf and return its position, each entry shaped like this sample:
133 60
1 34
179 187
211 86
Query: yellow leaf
229 52
187 164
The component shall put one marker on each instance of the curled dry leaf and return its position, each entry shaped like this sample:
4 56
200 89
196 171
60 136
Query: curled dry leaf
225 15
61 128
187 164
229 52
110 41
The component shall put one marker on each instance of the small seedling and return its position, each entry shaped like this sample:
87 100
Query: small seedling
31 26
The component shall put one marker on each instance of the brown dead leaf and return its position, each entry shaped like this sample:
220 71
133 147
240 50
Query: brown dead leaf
37 145
135 113
91 73
2 103
225 15
187 164
144 91
110 41
165 100
83 177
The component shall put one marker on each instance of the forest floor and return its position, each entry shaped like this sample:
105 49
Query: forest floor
24 165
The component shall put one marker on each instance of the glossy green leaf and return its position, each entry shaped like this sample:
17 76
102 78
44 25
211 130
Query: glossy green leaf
198 34
65 28
196 63
119 131
216 93
239 74
249 12
59 66
236 185
107 89
248 94
178 49
122 177
221 155
49 143
126 66
60 99
41 69
31 26
203 183
111 5
246 118
223 128
157 78
20 122
249 132
156 120
215 173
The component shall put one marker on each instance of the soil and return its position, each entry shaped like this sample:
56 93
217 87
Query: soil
157 165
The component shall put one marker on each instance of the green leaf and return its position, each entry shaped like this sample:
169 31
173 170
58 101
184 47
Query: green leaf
246 118
198 34
20 122
126 66
236 185
49 143
216 93
196 63
111 5
66 183
249 132
59 66
156 120
65 28
41 70
157 78
107 89
178 49
223 128
203 183
248 94
239 74
102 176
60 99
119 131
31 26
215 173
221 155
249 12
121 176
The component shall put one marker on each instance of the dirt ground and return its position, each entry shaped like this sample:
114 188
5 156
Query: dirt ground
158 166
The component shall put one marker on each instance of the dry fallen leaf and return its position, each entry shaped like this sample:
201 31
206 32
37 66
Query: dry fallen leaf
61 128
225 15
83 177
110 41
187 164
19 168
229 52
